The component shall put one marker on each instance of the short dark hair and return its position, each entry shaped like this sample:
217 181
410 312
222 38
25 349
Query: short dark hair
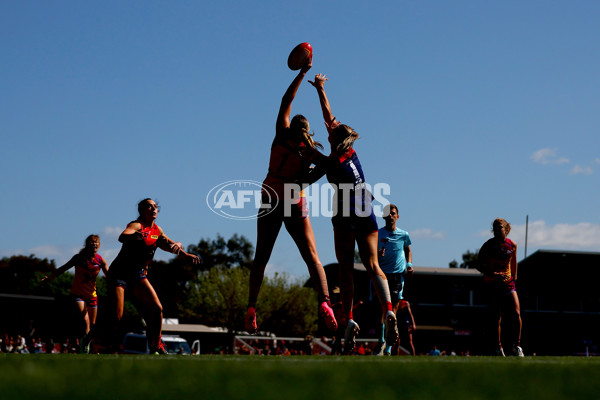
387 209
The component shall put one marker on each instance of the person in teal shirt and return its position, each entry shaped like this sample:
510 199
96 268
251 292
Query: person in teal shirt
395 260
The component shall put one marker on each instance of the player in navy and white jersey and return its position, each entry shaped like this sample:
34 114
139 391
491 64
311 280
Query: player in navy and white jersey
354 221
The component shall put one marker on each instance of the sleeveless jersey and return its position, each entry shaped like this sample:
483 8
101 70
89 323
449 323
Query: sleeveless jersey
287 163
137 253
86 271
347 171
497 256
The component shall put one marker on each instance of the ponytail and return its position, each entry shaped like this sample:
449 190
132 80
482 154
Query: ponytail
300 126
344 136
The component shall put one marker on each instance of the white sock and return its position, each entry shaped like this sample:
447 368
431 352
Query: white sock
382 288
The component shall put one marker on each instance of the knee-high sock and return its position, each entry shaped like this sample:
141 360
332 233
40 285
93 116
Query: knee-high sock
383 291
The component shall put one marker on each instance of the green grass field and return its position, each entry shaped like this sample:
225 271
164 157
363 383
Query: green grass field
299 377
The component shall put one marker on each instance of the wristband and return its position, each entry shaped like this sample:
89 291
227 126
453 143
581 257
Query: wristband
408 265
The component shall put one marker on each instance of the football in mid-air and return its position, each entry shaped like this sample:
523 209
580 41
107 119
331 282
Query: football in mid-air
299 56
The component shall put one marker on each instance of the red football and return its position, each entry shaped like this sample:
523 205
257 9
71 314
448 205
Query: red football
299 56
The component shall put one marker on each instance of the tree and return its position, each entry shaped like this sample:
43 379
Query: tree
23 275
219 298
287 308
235 252
171 279
469 260
216 293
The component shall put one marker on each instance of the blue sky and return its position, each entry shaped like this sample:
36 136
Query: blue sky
468 110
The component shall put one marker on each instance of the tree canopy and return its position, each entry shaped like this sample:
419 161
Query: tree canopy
469 260
215 292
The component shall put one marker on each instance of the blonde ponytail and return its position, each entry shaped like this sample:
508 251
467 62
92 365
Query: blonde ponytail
344 136
300 126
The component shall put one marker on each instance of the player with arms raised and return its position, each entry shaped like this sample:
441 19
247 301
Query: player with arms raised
292 152
354 221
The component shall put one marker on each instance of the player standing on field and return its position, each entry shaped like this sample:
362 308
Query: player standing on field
395 260
497 260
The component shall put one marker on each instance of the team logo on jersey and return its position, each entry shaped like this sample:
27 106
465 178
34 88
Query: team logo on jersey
154 237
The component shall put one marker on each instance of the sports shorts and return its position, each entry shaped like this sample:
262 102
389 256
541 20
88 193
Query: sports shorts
396 285
351 219
296 210
501 288
89 302
124 279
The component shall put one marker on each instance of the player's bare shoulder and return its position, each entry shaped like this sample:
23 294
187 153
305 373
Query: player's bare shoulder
134 226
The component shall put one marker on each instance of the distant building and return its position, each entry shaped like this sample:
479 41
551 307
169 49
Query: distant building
560 304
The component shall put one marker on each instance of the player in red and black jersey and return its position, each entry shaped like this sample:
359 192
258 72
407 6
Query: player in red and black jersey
292 153
497 260
129 271
88 264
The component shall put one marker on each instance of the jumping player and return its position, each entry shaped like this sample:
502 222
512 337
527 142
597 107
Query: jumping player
497 260
292 153
129 271
88 264
353 220
395 260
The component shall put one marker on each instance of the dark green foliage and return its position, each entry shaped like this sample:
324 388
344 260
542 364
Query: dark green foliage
219 298
22 274
287 308
235 252
174 280
469 260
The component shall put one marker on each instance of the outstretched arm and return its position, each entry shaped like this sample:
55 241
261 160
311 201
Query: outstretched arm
168 245
104 266
54 274
319 84
313 175
283 118
131 232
